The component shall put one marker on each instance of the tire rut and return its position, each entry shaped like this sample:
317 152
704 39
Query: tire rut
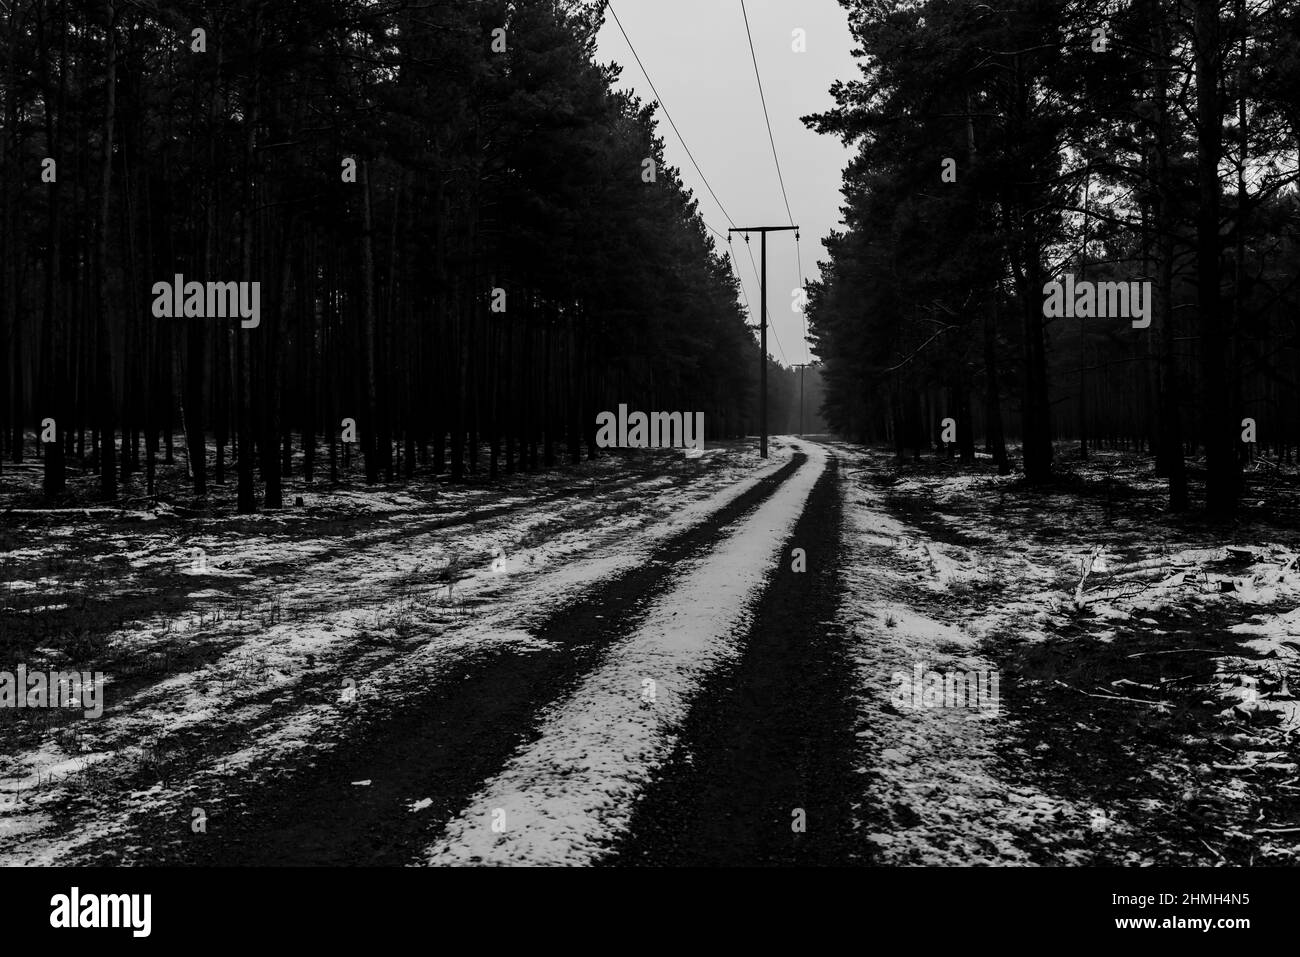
438 745
770 735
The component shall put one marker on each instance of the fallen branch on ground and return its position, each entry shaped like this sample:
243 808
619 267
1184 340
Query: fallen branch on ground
1176 651
1114 697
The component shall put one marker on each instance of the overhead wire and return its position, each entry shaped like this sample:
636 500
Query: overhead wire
610 6
799 288
785 198
766 119
663 106
766 311
707 185
731 253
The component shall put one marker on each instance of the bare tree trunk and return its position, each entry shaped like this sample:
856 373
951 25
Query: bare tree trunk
54 363
247 497
104 354
1170 458
369 428
1222 470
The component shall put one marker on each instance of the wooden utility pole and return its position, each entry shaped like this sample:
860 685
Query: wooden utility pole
801 366
762 323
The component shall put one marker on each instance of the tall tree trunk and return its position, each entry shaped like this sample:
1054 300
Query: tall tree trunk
1170 458
369 429
10 356
1222 469
54 367
246 496
104 355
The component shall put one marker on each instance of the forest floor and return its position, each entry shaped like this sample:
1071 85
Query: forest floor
654 659
1146 707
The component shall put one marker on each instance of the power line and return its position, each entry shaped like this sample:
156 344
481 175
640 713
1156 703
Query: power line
766 118
767 312
644 72
664 107
763 324
785 198
736 272
754 266
771 140
804 310
784 360
731 252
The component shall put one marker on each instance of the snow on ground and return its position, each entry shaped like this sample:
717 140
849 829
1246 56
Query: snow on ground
1120 572
297 626
566 797
1176 639
934 793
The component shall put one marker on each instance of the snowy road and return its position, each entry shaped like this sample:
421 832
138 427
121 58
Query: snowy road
598 680
570 795
694 664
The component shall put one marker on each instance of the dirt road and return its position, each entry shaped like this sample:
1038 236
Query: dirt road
695 666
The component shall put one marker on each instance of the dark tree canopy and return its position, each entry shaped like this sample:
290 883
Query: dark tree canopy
446 207
998 149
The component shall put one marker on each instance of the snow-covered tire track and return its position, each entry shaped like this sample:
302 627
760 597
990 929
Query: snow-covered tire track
764 773
441 743
568 795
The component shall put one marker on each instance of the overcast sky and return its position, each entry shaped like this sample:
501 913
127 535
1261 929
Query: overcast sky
698 56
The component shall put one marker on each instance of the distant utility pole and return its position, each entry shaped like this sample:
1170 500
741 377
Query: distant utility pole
801 366
762 322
